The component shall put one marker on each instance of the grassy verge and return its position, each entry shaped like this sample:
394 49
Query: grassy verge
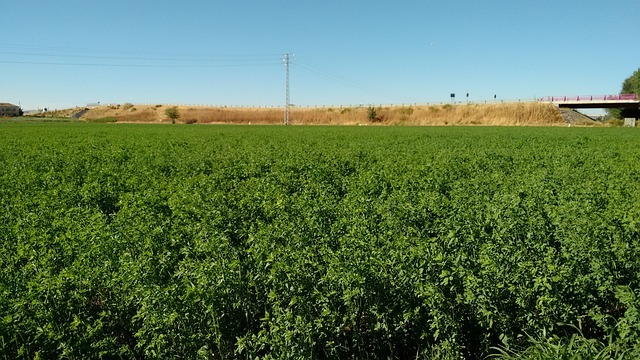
37 119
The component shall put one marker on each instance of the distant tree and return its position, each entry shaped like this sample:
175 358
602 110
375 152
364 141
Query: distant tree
371 114
172 113
374 116
630 85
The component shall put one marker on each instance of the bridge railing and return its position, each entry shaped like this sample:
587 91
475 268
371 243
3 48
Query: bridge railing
617 97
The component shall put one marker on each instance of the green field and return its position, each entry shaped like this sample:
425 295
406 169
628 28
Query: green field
160 241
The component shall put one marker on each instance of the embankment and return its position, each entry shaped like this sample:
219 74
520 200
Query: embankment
508 114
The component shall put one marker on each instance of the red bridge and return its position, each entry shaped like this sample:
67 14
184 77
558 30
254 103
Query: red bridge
595 101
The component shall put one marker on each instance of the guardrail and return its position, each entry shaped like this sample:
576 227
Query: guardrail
585 98
620 97
339 106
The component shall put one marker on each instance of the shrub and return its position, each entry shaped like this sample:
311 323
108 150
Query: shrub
172 113
372 114
616 122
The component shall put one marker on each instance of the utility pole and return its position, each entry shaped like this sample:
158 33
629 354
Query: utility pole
286 77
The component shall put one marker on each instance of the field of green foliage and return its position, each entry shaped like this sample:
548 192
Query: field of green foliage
143 241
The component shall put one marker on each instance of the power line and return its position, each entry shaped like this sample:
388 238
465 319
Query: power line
33 55
144 58
72 50
139 65
321 71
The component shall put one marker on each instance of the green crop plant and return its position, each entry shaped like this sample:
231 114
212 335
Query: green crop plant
153 241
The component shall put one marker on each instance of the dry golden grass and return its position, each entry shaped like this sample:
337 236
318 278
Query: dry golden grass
203 115
510 114
492 114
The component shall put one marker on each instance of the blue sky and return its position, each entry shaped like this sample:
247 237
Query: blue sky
70 53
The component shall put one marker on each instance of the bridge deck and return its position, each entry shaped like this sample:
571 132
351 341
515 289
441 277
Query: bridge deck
595 101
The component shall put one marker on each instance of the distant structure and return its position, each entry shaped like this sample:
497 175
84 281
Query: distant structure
622 101
9 110
287 61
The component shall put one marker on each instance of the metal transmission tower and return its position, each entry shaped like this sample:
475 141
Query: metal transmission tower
287 60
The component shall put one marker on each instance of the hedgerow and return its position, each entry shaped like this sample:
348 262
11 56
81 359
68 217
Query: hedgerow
324 242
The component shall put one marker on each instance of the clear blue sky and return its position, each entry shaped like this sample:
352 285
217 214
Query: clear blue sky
59 54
